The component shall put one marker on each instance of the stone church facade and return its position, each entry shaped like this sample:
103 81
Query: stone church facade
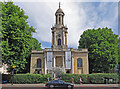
73 61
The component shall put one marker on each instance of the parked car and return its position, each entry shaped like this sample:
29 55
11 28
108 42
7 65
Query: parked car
58 83
4 82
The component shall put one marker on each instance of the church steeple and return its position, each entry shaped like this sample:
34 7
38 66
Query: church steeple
59 31
59 16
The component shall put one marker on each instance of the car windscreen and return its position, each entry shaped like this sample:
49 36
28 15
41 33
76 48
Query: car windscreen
61 81
55 81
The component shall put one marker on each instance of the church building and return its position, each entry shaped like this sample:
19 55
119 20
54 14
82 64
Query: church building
73 61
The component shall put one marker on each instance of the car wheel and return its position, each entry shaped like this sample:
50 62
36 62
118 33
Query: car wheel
47 86
69 86
51 86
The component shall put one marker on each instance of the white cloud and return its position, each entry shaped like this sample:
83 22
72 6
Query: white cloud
78 18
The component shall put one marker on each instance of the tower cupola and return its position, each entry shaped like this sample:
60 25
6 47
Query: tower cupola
59 31
59 16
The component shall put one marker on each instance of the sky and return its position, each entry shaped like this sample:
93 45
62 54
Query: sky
79 16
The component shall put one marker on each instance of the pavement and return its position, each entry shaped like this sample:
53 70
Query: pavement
75 85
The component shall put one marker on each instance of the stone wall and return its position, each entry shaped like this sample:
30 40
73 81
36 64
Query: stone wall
84 69
33 63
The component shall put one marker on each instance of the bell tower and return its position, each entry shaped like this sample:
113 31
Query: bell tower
59 31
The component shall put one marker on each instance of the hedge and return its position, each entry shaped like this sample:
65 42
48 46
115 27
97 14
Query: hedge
68 78
99 78
91 78
29 78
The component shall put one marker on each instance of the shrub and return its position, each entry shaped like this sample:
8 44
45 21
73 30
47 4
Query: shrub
96 78
30 78
99 78
44 78
68 78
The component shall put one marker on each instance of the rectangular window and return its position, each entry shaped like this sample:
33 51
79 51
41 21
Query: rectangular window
79 62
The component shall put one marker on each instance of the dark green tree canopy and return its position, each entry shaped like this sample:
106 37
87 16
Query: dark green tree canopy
16 36
102 45
36 44
119 57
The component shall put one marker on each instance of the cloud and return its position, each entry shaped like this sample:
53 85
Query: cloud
79 16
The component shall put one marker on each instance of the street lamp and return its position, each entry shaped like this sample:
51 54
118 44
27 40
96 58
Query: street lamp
13 73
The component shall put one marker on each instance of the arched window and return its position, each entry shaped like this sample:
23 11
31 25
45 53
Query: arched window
38 63
79 62
59 41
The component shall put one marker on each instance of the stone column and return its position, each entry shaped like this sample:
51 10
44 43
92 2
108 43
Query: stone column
66 38
63 38
60 19
57 19
72 65
63 63
54 62
45 70
54 38
54 66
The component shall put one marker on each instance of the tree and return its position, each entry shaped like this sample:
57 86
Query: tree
16 37
35 44
102 45
119 56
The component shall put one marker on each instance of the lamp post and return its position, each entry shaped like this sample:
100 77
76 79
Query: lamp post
13 73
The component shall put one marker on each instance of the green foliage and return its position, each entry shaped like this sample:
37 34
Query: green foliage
102 45
36 44
101 78
68 78
91 78
30 78
119 56
16 37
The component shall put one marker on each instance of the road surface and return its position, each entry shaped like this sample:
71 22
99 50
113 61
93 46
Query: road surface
42 86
